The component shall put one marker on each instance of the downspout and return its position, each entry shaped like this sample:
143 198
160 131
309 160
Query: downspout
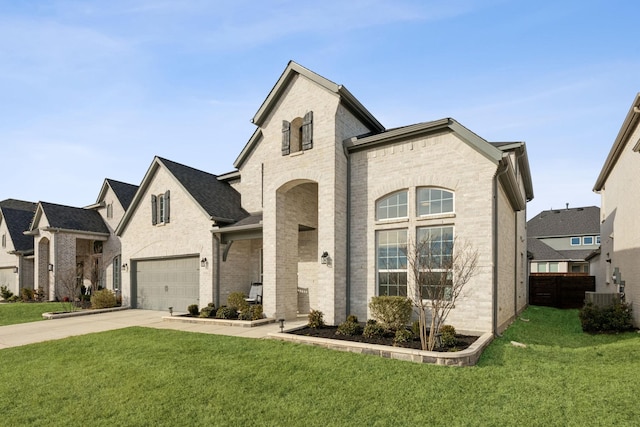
502 168
517 256
348 253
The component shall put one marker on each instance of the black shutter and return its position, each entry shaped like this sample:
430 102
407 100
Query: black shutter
307 131
286 138
166 206
154 209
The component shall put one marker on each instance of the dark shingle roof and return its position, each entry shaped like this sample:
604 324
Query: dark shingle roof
565 222
70 218
217 198
18 215
124 192
541 251
18 204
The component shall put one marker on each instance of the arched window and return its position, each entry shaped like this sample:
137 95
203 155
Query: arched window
393 206
432 201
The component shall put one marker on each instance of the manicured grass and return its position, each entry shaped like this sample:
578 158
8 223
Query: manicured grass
141 377
21 312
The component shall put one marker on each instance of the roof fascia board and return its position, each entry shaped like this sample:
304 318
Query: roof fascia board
357 109
98 235
630 122
146 181
229 176
248 148
394 135
288 74
509 182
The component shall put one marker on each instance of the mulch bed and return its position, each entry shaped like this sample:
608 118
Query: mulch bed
463 341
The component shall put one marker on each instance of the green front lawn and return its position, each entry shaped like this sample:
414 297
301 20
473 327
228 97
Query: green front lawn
140 376
21 312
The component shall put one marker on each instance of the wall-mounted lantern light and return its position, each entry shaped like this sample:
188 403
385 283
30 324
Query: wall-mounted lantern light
203 262
324 259
15 270
50 267
125 267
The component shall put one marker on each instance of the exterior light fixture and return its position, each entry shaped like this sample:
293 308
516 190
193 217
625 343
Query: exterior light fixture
15 270
125 267
50 267
324 259
203 262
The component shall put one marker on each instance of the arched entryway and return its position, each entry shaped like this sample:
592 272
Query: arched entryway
296 248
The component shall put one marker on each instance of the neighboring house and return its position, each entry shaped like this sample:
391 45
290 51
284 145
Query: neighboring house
113 200
617 185
77 246
16 249
561 240
322 202
167 242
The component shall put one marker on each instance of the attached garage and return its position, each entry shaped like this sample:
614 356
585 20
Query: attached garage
8 279
168 282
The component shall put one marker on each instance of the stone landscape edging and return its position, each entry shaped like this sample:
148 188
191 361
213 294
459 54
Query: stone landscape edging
61 315
220 322
466 357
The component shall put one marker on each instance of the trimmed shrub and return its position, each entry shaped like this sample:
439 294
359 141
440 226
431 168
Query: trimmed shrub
193 309
393 313
208 311
254 312
236 299
402 335
615 318
352 318
104 298
316 319
5 293
448 336
27 294
349 328
373 329
226 312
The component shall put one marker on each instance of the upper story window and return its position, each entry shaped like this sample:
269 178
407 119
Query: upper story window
160 208
575 241
432 201
4 240
393 206
297 135
587 240
597 240
110 210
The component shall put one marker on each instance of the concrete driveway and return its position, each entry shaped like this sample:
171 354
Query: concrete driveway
46 330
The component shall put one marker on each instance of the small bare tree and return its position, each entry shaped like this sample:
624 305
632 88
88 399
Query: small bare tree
440 266
95 274
69 289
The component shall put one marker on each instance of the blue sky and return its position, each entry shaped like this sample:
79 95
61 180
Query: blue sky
94 89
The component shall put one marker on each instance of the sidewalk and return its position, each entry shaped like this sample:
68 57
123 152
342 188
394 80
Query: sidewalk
46 330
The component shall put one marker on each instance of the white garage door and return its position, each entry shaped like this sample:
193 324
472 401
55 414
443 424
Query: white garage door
8 278
163 283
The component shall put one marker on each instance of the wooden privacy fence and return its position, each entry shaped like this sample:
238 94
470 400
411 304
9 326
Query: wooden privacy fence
560 290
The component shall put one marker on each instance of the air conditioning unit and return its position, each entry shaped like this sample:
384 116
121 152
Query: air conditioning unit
602 299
